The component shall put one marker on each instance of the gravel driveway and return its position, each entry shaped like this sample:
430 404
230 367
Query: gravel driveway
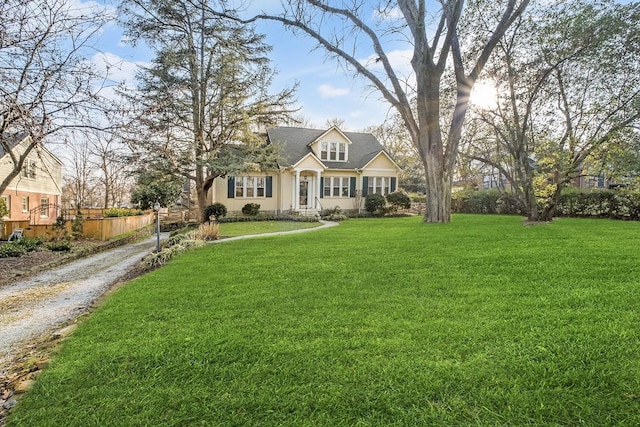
35 306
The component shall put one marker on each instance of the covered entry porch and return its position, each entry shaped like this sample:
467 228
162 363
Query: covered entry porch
306 190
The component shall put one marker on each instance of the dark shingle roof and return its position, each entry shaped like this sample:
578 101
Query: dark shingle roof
13 140
295 143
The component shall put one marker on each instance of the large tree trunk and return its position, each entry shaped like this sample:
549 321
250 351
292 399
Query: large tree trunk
428 141
438 192
202 202
531 202
550 209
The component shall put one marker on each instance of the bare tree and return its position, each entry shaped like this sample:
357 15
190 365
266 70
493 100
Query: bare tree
431 30
297 120
80 187
337 122
47 83
110 156
570 92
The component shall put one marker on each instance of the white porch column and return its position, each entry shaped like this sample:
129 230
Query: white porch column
319 189
296 197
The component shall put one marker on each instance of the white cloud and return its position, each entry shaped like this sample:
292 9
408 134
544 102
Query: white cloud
388 14
328 91
117 71
400 60
88 8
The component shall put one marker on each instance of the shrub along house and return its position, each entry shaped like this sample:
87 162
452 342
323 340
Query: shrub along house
34 195
320 169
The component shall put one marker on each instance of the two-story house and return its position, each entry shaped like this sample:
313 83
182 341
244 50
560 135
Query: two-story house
320 169
34 194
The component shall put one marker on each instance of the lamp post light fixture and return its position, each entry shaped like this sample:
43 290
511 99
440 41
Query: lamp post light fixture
156 208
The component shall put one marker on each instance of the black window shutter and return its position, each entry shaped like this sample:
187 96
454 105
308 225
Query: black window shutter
352 186
393 185
321 187
269 189
365 186
231 187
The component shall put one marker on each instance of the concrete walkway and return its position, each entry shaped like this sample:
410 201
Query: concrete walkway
325 224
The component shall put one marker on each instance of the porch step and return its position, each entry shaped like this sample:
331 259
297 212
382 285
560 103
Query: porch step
309 212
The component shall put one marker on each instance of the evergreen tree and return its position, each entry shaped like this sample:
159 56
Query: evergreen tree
204 94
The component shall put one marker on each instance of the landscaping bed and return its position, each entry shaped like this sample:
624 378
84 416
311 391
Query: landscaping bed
15 268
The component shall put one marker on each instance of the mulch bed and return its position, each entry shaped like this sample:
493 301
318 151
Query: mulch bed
14 269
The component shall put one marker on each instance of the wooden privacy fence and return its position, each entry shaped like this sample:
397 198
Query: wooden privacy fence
93 228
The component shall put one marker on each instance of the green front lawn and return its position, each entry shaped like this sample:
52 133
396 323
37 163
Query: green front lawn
385 322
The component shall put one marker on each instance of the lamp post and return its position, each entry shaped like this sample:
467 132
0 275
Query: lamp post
156 208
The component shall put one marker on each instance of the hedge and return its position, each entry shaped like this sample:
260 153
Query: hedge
486 202
269 217
614 204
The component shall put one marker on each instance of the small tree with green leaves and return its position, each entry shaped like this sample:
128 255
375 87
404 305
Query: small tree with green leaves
59 229
77 227
165 191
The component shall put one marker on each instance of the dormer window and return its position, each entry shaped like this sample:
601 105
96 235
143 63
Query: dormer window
333 151
29 169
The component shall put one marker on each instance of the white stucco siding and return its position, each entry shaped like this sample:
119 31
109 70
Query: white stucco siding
381 163
309 163
340 181
251 191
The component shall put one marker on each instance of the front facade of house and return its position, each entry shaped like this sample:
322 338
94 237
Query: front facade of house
35 193
321 169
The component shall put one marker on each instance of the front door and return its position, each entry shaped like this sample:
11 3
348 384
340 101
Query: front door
304 193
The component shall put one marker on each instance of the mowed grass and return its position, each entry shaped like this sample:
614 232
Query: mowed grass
377 322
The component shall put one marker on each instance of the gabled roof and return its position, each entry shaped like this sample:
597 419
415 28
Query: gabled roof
296 143
12 140
18 138
311 156
326 132
382 153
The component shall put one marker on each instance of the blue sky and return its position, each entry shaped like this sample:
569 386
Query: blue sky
325 90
